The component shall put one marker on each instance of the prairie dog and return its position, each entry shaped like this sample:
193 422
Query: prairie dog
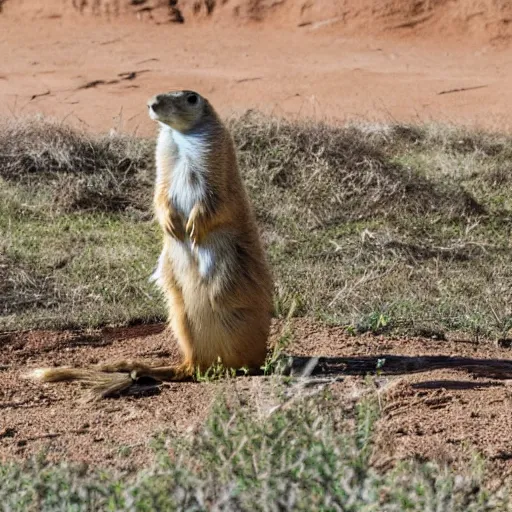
212 269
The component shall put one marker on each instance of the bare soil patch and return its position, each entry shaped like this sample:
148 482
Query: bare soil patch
99 71
446 415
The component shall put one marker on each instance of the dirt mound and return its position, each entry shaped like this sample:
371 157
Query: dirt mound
483 19
445 414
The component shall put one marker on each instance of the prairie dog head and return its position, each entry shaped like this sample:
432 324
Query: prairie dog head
183 111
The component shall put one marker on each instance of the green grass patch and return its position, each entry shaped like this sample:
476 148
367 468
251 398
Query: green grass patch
381 228
76 269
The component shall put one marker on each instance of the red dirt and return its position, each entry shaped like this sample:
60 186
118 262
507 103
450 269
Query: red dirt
446 415
79 67
483 20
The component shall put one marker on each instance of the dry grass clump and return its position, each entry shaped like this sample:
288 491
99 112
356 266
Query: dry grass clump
77 245
477 161
328 175
79 171
22 289
385 227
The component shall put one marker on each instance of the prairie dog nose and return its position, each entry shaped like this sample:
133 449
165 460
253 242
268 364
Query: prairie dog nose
154 101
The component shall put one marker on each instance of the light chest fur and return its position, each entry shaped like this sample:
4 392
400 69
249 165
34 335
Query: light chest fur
181 162
182 168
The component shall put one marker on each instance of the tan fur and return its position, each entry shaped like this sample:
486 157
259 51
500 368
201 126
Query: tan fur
220 310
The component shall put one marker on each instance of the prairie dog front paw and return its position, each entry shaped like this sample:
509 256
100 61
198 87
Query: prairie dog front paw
196 228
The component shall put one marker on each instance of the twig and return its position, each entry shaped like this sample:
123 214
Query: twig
110 41
147 60
248 79
34 96
130 75
92 83
462 89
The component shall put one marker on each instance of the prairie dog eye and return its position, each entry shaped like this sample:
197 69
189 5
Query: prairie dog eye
192 99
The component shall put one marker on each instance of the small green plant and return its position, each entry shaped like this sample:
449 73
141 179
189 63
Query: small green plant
351 330
367 413
285 302
376 322
124 451
503 324
380 365
216 371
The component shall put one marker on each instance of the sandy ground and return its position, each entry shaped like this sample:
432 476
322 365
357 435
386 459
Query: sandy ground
100 74
447 415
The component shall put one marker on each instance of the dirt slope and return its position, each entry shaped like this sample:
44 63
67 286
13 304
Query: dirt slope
448 415
485 20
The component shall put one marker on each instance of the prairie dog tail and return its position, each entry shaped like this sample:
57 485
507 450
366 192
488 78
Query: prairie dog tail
111 379
59 374
103 383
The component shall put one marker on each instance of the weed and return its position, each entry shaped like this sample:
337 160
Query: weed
376 323
216 371
274 361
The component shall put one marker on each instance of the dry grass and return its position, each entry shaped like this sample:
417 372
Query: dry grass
79 243
396 227
327 176
77 172
373 227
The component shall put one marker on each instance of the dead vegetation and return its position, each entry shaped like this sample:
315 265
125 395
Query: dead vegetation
302 455
403 228
330 175
77 172
76 217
